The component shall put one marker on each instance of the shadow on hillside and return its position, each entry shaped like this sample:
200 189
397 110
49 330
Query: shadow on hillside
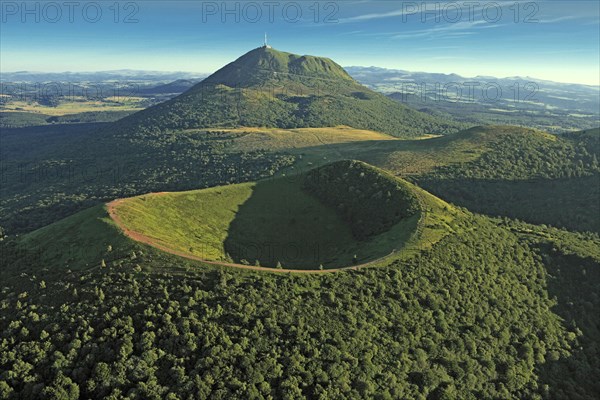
575 283
280 223
569 204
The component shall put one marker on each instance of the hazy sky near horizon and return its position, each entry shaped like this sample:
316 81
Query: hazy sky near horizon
555 40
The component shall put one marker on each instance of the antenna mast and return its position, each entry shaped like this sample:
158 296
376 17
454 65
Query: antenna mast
266 45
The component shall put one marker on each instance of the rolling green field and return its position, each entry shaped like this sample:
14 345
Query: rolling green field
403 157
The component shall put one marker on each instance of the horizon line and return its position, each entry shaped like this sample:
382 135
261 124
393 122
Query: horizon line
345 67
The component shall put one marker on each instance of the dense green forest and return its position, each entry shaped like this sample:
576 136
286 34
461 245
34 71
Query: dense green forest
498 310
367 198
532 154
15 119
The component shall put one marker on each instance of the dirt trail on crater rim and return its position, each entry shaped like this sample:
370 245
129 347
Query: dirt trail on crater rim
139 237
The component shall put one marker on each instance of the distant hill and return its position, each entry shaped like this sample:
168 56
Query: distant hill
270 88
564 96
97 76
176 87
542 104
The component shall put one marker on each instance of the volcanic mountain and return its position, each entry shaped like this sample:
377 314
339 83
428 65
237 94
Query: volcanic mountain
270 88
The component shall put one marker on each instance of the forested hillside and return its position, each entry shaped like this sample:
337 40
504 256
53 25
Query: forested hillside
279 231
529 175
483 314
367 198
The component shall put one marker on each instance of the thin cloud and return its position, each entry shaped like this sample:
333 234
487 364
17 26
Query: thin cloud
403 11
446 31
553 20
368 17
449 30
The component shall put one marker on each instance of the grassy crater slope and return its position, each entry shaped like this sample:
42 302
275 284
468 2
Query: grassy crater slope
289 221
80 241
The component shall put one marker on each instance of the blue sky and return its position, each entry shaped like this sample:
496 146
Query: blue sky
556 40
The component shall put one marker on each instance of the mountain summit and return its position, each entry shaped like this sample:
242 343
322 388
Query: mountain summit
270 88
264 63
